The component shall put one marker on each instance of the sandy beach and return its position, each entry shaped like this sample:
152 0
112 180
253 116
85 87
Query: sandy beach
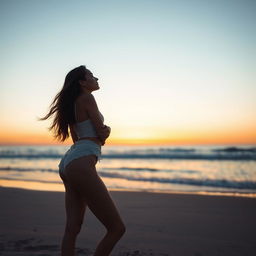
32 223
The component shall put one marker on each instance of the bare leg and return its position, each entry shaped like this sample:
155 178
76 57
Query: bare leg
75 209
104 209
90 187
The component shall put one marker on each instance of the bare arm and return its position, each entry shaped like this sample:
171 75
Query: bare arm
102 130
105 133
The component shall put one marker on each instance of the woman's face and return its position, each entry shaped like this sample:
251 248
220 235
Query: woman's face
90 83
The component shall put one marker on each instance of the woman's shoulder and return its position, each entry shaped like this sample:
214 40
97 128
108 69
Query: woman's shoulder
82 99
85 98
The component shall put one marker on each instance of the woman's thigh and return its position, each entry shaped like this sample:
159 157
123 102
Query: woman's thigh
75 203
84 179
75 208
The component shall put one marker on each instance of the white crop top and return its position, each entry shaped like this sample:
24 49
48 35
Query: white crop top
86 127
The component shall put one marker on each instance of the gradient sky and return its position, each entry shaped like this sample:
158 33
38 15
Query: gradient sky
170 72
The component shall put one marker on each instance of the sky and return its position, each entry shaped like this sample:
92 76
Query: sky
170 72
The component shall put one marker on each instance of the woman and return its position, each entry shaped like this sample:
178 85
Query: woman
75 107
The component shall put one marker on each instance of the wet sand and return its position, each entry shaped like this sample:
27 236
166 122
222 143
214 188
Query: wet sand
32 223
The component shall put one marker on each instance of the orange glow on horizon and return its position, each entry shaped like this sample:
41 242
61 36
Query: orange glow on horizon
181 138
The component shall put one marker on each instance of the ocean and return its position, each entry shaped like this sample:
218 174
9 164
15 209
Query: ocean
215 169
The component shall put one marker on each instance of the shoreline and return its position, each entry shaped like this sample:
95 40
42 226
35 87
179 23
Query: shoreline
175 192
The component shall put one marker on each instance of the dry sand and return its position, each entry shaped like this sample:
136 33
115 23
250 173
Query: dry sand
32 223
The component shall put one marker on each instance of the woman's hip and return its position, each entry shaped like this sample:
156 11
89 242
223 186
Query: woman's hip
79 149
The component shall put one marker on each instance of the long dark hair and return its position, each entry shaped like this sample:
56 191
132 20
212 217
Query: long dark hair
63 104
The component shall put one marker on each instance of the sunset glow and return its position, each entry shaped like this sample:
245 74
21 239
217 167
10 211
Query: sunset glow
170 72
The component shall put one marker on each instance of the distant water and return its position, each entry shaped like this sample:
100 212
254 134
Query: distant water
200 169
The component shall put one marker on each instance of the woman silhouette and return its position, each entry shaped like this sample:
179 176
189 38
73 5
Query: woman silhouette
75 108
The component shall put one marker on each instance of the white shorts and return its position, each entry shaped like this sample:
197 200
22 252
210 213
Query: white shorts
78 149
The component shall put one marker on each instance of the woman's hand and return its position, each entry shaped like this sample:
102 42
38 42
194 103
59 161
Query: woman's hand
104 134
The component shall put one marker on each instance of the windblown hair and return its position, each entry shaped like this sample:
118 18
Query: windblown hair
62 107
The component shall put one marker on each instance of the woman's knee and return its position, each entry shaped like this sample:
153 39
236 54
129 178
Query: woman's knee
121 229
73 229
118 228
